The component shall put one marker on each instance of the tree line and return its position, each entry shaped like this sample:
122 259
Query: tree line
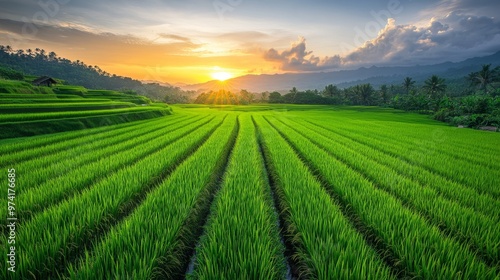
38 62
476 105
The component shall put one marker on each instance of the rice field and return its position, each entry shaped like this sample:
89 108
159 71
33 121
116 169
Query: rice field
257 192
34 114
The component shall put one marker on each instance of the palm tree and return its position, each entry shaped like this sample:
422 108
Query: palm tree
435 86
331 91
42 54
53 56
294 91
408 83
263 96
365 93
384 93
485 77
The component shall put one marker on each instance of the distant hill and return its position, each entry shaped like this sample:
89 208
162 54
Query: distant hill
345 78
39 62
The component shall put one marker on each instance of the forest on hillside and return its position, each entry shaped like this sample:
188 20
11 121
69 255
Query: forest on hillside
473 101
477 104
39 62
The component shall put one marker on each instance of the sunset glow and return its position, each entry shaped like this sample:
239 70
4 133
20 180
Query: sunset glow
182 41
221 76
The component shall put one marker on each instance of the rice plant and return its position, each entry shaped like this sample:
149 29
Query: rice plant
242 237
419 247
327 245
149 243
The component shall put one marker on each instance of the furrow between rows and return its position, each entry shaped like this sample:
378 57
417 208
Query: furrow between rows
417 246
74 225
165 230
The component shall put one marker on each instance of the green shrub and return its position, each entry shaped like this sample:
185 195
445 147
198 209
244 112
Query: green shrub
443 115
11 74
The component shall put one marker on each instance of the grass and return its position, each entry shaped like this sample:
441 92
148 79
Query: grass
338 144
26 110
69 233
243 218
59 106
22 87
164 232
325 192
427 152
92 167
315 225
474 227
407 233
45 123
20 149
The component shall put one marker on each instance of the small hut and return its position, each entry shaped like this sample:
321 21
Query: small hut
44 81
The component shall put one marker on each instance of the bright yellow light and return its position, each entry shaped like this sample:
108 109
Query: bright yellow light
221 76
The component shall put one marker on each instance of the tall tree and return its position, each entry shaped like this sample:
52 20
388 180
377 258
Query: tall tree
275 97
365 93
384 94
485 78
435 86
52 56
246 97
294 92
331 91
408 84
263 96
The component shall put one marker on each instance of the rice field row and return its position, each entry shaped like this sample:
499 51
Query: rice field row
23 117
61 107
22 99
252 242
266 194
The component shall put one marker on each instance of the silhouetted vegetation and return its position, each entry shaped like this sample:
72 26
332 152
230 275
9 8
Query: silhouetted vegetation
224 97
454 102
38 62
472 101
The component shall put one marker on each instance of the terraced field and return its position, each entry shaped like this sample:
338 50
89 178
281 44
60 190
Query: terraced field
35 114
260 192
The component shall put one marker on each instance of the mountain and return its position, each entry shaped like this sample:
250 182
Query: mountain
345 78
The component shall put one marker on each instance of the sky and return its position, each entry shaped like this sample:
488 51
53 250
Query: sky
194 41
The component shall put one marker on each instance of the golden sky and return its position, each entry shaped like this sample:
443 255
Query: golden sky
194 41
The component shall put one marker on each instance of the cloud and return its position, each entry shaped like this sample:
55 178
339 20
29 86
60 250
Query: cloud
174 38
169 57
95 46
473 7
454 37
297 58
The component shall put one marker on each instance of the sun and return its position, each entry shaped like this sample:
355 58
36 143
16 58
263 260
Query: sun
220 75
